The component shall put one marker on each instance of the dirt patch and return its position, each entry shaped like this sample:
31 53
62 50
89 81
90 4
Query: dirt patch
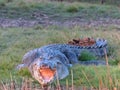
45 20
16 23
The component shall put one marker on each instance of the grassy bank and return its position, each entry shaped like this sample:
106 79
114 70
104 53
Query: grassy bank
15 42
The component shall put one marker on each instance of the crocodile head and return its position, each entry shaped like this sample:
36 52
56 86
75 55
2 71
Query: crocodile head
45 71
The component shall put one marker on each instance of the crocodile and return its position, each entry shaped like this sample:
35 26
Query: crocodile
52 62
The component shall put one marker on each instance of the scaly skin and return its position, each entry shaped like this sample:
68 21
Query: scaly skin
52 61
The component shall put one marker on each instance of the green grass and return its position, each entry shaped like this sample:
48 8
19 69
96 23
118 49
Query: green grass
108 2
58 11
86 56
15 42
90 76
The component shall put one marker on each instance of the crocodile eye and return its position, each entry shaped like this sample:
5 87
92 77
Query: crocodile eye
40 58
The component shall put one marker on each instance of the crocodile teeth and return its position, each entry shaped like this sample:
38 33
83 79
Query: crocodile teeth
47 74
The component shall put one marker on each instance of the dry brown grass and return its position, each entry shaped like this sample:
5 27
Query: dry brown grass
28 85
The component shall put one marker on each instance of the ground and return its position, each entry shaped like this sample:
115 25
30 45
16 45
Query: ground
25 26
63 14
5 22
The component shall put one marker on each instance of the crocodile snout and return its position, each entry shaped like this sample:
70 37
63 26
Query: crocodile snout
44 66
46 73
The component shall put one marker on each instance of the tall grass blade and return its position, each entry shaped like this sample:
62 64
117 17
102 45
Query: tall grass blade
108 71
67 84
87 79
4 86
58 83
72 79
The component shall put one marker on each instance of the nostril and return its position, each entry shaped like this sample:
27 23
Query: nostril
44 65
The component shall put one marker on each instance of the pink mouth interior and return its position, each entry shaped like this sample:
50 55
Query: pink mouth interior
47 73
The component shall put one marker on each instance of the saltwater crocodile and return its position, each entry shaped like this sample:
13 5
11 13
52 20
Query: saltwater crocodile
51 62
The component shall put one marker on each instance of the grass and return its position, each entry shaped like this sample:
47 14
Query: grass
58 11
89 77
108 2
15 42
86 56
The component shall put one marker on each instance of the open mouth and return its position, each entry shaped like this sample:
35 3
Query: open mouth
47 74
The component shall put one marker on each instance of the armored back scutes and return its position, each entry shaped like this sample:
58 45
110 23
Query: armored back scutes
97 49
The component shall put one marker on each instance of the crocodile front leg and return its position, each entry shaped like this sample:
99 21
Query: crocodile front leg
71 56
